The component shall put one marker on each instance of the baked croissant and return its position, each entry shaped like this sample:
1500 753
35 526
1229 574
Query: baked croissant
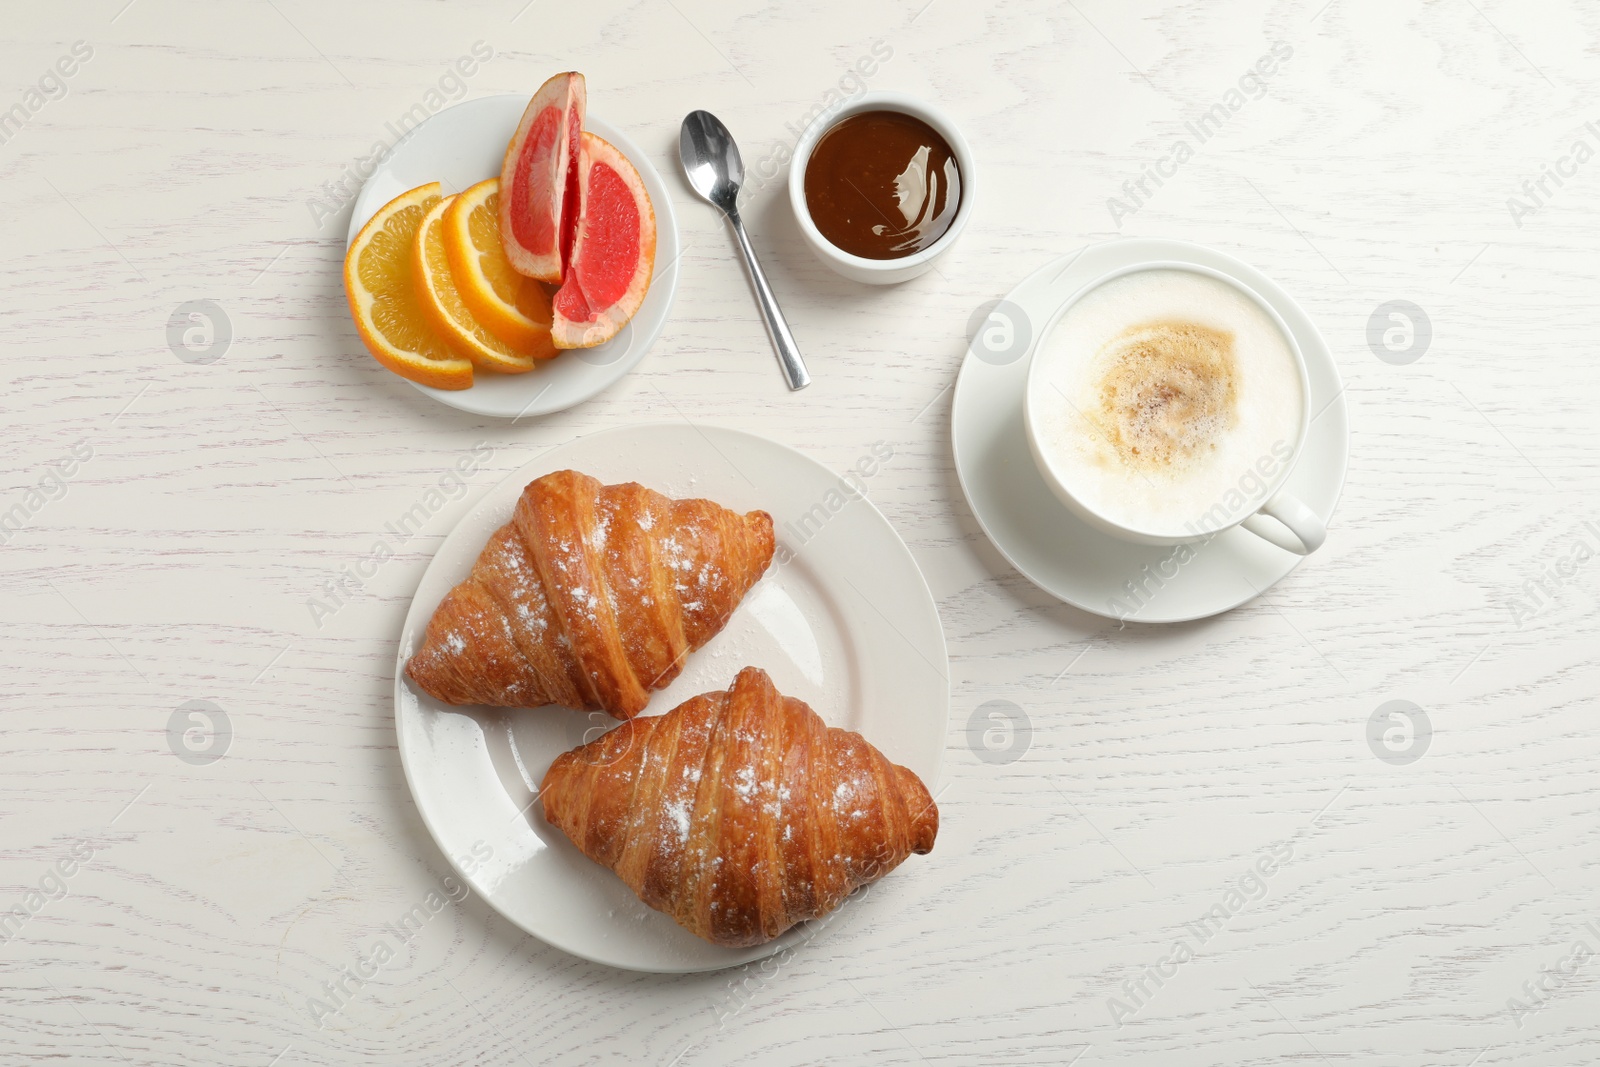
739 813
591 596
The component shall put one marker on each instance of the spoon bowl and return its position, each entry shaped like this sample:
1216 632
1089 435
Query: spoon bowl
711 160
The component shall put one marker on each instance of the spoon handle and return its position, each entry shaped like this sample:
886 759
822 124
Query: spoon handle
794 368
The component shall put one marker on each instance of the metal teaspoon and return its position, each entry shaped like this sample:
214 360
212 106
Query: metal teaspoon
711 163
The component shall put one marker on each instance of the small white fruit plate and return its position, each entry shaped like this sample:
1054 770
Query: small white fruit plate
463 145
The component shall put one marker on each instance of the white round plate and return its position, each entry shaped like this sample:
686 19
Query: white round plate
847 625
463 145
1053 548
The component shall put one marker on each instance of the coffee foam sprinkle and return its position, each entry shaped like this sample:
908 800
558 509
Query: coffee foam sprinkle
1167 393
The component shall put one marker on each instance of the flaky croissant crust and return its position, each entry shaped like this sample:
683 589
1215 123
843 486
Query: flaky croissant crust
739 813
590 597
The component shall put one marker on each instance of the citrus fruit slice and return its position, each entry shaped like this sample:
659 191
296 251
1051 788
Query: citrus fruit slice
444 309
383 297
540 202
514 308
613 255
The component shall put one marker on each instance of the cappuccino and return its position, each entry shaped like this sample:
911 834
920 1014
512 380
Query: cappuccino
1167 402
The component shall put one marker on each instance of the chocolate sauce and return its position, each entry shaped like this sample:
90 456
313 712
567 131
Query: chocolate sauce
882 185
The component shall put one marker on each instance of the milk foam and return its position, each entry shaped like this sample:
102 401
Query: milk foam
1168 402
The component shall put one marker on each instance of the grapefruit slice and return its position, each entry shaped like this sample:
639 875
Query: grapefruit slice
540 201
383 300
514 308
444 309
614 254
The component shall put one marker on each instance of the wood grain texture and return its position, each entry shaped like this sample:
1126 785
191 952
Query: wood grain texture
1376 165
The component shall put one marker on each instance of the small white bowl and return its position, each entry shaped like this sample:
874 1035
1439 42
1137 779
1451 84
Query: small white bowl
859 268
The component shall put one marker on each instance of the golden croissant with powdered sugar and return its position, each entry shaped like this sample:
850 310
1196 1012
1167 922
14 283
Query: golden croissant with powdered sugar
591 596
739 813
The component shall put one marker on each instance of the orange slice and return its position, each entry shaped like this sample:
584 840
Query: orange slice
513 307
383 300
444 309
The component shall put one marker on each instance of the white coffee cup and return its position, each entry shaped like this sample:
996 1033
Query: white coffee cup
1282 519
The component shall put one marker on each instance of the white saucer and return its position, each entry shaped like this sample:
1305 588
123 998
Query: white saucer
461 146
847 625
1052 547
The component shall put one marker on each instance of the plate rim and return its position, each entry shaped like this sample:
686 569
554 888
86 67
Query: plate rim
554 454
1177 250
663 279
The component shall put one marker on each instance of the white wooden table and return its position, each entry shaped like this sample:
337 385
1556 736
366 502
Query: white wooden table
186 911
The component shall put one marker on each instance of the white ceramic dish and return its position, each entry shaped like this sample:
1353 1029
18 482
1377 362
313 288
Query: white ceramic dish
1050 545
461 146
881 271
847 625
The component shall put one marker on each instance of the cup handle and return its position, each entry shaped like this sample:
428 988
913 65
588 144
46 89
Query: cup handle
1289 524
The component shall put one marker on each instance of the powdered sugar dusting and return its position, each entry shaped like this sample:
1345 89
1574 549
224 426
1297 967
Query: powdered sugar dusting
678 813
